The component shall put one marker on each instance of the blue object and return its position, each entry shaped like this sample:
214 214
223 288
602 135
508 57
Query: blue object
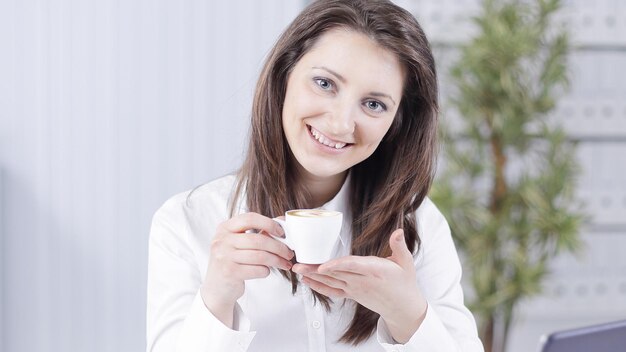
609 337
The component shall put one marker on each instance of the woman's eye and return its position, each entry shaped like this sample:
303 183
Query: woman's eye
375 106
324 83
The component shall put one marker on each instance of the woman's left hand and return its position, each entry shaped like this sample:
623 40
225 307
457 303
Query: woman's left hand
387 286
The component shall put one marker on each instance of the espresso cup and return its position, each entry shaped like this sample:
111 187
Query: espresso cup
311 233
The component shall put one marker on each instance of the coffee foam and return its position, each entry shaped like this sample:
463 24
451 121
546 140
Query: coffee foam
313 213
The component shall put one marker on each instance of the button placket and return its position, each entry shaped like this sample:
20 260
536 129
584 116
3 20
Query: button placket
318 325
241 345
315 322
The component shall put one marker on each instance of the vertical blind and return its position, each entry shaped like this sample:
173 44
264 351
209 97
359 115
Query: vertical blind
107 108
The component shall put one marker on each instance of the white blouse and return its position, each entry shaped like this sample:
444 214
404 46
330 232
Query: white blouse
268 317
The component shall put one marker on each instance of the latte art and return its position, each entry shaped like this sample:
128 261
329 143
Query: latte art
313 213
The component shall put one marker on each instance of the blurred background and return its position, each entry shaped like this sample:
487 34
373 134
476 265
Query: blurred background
108 108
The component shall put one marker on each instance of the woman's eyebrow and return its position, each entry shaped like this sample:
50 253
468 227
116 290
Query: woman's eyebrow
343 80
378 94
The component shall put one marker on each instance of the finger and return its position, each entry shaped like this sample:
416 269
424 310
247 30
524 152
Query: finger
264 243
347 277
253 221
328 281
305 268
352 264
399 251
323 289
258 257
248 272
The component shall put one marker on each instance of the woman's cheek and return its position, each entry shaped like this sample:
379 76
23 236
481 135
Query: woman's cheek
310 105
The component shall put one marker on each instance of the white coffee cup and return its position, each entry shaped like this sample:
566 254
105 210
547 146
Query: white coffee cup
311 233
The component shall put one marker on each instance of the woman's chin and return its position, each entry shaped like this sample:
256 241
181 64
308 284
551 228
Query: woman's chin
325 173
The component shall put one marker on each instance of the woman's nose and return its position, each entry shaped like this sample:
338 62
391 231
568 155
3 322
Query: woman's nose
343 120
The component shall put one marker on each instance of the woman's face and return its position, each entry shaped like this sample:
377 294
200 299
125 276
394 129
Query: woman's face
341 99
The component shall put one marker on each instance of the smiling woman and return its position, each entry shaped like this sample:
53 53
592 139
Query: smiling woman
344 119
345 81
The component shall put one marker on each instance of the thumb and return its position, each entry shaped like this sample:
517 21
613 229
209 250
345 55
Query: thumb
399 251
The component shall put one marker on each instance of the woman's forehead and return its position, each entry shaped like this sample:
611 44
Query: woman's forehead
355 57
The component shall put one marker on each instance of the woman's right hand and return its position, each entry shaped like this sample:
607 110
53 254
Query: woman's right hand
236 256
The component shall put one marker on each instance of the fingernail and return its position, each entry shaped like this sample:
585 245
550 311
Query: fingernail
277 234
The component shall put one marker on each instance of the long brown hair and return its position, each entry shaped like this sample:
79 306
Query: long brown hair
388 187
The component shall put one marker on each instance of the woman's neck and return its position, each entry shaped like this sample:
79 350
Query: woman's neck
322 189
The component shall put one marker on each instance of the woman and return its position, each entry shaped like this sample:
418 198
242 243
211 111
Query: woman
344 118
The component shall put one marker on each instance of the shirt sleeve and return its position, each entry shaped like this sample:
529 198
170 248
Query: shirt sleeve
176 317
448 325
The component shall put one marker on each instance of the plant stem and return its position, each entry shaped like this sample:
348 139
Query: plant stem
498 194
499 188
487 333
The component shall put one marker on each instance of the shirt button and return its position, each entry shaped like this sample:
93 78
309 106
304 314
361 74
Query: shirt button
316 324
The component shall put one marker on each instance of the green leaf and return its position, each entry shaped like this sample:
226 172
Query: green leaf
506 82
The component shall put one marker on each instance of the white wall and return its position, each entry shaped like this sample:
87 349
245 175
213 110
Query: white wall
107 108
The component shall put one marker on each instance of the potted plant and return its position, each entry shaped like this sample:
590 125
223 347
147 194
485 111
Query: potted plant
508 172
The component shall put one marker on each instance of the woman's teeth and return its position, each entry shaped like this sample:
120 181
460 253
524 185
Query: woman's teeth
325 141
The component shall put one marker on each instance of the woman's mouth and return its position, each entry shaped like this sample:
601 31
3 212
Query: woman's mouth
325 141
